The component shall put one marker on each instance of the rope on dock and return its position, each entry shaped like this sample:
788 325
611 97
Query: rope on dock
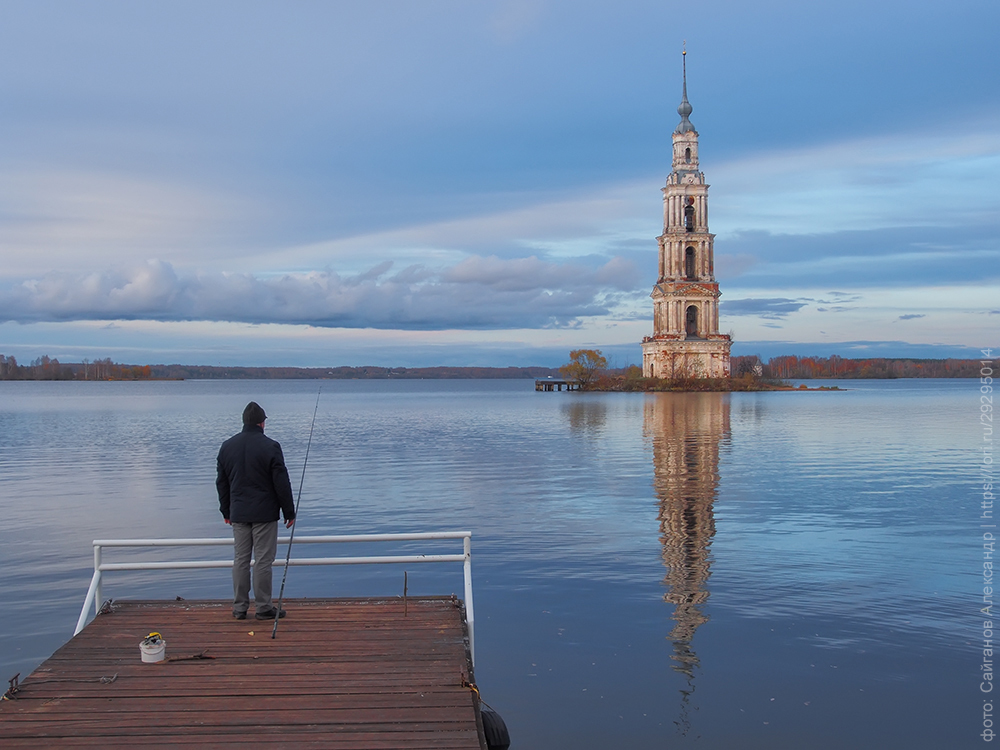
193 657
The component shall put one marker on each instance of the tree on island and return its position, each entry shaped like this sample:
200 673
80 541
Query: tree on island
584 366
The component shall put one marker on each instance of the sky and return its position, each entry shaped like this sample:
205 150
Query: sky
443 182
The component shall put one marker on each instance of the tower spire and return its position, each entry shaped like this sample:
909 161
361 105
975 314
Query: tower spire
684 67
685 107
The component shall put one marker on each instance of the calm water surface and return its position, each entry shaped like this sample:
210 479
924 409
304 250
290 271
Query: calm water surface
775 570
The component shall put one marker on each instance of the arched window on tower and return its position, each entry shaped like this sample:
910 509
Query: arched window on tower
687 155
689 215
689 263
691 321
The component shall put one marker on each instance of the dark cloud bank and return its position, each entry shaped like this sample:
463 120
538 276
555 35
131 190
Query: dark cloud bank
477 293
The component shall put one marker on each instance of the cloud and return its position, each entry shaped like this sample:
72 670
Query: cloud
525 274
863 184
896 256
729 266
911 316
773 308
613 220
476 293
51 218
839 303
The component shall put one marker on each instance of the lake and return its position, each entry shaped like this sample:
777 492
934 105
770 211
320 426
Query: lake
748 570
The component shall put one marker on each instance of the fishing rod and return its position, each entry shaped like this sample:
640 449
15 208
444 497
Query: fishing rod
288 557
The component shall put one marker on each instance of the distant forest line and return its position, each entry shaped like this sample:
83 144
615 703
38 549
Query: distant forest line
782 368
45 368
834 367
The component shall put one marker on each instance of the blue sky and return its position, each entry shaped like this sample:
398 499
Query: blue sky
478 183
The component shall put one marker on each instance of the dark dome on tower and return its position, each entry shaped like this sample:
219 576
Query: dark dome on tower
685 108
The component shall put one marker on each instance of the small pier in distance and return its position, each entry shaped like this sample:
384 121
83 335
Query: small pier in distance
555 385
342 673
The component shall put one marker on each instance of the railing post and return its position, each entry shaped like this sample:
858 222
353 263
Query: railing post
94 583
98 601
469 615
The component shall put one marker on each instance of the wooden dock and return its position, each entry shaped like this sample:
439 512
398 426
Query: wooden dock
342 673
556 385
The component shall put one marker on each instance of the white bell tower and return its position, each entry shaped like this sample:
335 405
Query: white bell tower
686 341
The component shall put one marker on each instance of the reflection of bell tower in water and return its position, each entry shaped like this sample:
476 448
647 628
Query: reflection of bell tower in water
686 341
685 430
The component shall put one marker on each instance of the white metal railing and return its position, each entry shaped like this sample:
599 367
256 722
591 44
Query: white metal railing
94 599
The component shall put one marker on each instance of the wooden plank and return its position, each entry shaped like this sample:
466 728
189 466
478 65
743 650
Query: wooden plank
342 673
372 741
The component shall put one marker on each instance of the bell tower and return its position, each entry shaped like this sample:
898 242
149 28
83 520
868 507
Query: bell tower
686 341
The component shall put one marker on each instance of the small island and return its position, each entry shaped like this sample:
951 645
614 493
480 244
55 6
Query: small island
587 370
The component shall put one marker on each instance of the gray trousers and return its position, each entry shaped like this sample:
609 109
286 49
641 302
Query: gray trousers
249 538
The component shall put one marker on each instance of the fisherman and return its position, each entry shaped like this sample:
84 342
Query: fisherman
254 491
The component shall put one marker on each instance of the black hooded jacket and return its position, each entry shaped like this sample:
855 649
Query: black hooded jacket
252 479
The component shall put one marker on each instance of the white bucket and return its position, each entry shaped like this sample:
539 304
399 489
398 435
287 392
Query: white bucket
152 650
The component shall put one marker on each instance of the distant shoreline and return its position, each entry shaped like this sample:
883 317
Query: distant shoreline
778 368
108 371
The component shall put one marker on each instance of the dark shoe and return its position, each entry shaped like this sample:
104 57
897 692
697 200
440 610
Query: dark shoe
268 614
240 615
